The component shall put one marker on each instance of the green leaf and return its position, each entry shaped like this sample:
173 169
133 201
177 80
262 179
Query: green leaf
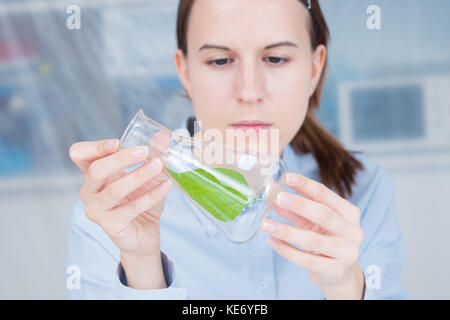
215 195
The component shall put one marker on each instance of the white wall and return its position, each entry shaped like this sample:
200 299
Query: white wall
34 214
422 190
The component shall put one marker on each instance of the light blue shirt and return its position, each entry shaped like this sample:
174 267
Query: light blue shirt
199 262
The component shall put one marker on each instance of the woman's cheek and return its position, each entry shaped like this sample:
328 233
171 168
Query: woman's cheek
209 105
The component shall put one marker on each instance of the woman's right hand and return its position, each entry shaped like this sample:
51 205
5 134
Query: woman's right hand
127 206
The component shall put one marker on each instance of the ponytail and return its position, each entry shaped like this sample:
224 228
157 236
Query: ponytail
337 167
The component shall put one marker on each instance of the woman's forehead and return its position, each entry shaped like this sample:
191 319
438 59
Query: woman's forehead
261 21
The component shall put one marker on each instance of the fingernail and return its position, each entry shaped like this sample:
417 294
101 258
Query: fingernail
111 145
165 185
283 199
140 153
274 243
269 226
292 179
155 166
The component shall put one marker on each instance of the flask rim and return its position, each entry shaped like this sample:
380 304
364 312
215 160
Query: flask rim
141 116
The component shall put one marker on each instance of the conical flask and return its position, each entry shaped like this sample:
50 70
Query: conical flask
233 188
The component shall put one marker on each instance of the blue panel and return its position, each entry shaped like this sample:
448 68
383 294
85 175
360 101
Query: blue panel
388 113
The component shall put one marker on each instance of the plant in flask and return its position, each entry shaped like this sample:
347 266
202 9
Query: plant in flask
235 197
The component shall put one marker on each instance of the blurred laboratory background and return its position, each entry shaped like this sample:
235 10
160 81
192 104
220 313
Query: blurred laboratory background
387 93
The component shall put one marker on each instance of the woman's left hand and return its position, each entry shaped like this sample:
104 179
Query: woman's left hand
327 227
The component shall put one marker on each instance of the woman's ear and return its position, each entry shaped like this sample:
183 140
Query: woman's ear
182 70
319 58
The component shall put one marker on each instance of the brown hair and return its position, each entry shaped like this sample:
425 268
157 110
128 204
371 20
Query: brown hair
337 166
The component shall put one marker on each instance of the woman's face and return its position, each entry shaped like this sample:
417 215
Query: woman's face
250 60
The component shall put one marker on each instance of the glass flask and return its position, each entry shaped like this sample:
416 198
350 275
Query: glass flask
234 188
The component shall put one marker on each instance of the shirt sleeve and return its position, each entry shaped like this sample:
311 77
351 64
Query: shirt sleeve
94 270
384 251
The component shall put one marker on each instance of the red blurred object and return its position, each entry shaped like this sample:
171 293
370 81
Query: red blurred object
14 51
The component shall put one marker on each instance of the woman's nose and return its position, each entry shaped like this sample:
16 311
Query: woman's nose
249 86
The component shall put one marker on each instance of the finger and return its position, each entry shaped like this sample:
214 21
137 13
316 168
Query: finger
318 192
314 263
116 191
159 144
298 221
314 211
308 240
84 153
117 219
147 186
101 169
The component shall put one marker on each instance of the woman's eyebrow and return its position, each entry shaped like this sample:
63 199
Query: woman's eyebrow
279 44
270 46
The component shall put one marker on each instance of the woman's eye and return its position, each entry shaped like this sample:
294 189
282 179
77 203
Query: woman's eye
277 60
224 61
218 62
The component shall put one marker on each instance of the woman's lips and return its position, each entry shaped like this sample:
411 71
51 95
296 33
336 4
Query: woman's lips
248 126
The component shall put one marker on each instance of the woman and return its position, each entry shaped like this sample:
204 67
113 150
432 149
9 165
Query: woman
242 60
